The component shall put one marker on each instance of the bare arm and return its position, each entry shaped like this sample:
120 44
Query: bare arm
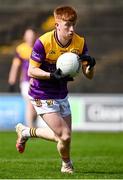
14 71
38 73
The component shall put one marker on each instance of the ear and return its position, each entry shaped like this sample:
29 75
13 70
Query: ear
56 25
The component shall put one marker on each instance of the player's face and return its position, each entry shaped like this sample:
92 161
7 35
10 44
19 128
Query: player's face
29 37
66 29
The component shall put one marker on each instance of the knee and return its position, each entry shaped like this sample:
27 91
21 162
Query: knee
65 138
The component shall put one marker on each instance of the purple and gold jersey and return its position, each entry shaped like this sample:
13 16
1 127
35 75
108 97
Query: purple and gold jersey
23 53
45 53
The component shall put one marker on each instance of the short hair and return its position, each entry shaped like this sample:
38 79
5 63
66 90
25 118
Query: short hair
31 27
65 13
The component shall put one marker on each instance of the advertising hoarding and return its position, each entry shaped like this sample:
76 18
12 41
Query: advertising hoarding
97 112
89 112
12 109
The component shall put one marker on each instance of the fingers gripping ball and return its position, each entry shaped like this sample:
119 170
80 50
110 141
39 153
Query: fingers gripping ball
69 63
91 61
85 67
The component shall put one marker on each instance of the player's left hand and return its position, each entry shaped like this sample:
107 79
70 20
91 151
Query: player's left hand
91 60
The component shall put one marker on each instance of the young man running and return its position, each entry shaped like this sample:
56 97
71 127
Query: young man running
48 89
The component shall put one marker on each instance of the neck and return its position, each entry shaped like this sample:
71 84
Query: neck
62 39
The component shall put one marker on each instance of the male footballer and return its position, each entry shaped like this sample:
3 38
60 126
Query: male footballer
48 88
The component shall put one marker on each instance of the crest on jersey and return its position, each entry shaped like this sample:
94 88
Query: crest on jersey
76 51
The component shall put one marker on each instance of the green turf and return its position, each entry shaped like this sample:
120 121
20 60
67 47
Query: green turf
95 156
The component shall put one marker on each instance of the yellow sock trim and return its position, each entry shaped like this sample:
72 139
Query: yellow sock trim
33 132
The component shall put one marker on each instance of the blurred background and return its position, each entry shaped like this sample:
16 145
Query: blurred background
100 22
97 105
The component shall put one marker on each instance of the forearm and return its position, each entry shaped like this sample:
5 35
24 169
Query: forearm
38 73
14 71
13 75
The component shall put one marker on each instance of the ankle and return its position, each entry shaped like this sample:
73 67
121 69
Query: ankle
26 132
65 160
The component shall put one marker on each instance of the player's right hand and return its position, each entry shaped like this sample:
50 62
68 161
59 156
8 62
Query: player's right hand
11 88
58 75
68 78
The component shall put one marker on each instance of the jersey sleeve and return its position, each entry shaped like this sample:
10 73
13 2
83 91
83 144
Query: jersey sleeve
85 49
38 54
18 53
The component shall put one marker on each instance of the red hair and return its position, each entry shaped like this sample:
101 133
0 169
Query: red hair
65 13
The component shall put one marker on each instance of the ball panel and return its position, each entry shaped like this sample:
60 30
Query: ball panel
69 64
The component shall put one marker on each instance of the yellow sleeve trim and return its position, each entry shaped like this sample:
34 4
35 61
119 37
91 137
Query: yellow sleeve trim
34 63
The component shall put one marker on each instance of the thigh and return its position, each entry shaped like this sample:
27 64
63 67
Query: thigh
64 107
57 123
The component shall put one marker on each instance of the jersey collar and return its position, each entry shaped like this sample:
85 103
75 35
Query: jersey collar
59 43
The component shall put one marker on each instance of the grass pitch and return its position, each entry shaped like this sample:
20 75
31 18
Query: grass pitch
95 156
